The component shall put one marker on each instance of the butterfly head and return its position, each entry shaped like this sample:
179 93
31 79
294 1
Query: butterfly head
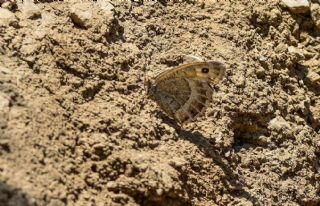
149 86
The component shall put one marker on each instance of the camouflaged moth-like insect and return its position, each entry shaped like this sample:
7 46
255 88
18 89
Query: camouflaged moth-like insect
185 92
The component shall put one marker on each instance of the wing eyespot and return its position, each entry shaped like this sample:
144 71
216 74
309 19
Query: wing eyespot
205 70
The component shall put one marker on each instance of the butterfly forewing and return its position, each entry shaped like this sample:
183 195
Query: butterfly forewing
207 71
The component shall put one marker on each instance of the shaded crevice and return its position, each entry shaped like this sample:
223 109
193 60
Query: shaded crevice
89 93
248 128
13 196
70 70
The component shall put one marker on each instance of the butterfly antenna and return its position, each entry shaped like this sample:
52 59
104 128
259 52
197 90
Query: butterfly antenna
143 102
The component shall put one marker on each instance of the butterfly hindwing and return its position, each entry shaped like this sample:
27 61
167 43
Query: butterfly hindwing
201 96
171 94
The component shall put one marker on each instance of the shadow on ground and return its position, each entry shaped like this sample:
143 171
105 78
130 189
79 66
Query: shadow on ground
232 182
10 196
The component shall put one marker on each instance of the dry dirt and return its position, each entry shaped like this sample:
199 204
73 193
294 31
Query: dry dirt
76 127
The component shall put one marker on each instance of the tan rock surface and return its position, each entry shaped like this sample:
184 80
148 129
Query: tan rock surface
297 6
77 128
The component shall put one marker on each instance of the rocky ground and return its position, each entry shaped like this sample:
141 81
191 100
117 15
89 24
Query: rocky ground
76 127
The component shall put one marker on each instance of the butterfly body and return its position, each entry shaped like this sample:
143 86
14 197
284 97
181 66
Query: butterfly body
184 92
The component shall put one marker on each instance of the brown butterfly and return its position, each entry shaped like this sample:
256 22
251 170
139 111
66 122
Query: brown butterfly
185 92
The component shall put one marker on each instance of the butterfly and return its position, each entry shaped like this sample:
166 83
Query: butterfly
185 91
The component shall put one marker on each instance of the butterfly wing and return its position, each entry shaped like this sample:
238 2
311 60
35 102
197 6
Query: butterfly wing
183 99
184 92
211 71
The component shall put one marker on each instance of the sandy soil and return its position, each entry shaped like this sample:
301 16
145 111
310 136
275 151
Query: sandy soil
76 127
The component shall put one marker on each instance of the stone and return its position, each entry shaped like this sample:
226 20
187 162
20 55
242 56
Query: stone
299 53
81 15
315 14
4 103
93 15
106 7
315 111
6 14
6 17
30 10
281 47
313 77
8 4
297 6
278 124
4 111
4 70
